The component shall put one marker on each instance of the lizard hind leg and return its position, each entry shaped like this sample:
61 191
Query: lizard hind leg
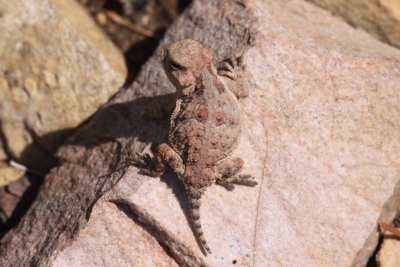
229 175
194 196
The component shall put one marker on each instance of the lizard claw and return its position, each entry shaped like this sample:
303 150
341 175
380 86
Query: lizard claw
241 179
228 186
145 164
246 179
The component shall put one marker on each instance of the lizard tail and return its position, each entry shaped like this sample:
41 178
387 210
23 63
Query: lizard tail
194 210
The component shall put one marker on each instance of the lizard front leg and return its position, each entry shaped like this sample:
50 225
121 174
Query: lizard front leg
164 155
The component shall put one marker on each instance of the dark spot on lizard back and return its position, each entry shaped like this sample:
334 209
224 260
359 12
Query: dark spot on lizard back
202 114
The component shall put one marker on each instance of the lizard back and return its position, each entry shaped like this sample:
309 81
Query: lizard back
206 128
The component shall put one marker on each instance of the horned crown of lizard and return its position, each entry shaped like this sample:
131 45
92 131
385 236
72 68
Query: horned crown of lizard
184 62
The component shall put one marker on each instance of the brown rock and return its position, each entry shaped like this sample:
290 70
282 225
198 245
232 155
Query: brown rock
9 174
3 155
389 253
7 206
320 134
57 69
11 206
381 18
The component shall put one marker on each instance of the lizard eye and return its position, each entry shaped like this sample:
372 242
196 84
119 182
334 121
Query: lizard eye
174 65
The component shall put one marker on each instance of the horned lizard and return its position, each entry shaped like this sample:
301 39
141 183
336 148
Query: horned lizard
204 127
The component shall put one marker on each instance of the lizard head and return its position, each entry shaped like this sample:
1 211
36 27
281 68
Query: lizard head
184 62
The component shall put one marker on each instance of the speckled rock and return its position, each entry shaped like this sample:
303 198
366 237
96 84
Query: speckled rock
320 134
381 18
56 69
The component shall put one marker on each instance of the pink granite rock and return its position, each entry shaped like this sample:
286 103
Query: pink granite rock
320 134
381 18
111 238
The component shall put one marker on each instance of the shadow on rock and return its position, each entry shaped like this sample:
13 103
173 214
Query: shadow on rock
117 133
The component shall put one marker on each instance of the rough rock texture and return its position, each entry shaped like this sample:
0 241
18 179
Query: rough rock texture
96 157
320 135
15 198
389 253
8 174
3 155
113 233
381 18
56 69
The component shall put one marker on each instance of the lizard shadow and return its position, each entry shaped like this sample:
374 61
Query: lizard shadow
143 119
177 187
135 125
